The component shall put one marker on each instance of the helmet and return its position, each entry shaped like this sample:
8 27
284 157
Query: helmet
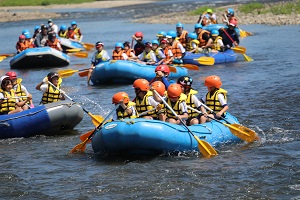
36 28
198 26
138 34
185 81
164 68
209 10
161 34
21 37
52 75
192 35
155 42
174 90
164 41
179 24
159 87
214 32
171 34
73 23
27 35
232 23
126 44
25 31
119 44
99 43
230 11
3 78
119 97
11 74
148 44
213 81
63 27
141 84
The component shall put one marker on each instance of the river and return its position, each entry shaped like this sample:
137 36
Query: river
263 95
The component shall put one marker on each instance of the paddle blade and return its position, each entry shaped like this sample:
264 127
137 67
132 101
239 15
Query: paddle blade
205 148
204 60
88 46
239 49
247 58
83 73
242 132
80 54
191 66
73 50
79 147
7 54
2 58
86 135
173 69
96 119
66 73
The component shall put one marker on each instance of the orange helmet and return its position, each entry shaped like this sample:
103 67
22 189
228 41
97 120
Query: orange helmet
213 81
141 84
174 90
159 87
119 97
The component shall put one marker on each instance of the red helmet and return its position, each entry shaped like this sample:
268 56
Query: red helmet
159 87
232 23
138 34
21 37
174 90
141 84
11 74
119 97
164 68
213 81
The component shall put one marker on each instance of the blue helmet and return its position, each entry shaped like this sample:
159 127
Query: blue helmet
63 27
119 44
155 42
25 31
36 28
27 35
73 23
230 11
192 35
179 24
198 26
171 34
161 34
214 32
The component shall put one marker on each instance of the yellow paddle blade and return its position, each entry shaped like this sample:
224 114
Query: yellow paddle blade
73 50
79 147
204 60
66 73
83 73
96 119
247 58
2 58
88 46
205 148
80 54
239 49
242 132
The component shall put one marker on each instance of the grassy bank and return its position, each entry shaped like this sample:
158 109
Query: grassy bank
4 3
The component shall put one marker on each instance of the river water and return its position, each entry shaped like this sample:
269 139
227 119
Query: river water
263 95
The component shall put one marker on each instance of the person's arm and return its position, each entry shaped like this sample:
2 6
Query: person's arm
37 40
224 104
125 57
165 81
184 111
59 46
42 86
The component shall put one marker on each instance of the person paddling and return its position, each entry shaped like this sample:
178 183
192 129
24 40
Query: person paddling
227 40
77 31
148 56
118 53
53 42
21 44
42 37
177 49
62 33
139 47
126 107
181 34
128 51
162 72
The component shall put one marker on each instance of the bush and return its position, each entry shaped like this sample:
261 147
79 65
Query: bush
251 7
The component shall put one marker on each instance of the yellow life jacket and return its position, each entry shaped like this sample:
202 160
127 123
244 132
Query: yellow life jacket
51 95
143 105
147 56
76 31
212 100
62 34
175 106
157 54
189 102
20 92
99 56
217 44
8 104
189 46
124 115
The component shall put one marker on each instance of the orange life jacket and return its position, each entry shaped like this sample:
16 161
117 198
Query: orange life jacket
202 42
30 43
128 52
175 49
166 52
53 44
182 38
71 34
20 46
117 55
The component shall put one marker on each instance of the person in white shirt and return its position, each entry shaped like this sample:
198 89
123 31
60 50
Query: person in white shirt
53 28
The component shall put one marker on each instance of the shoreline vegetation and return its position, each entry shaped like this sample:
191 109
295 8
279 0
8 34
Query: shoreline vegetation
276 13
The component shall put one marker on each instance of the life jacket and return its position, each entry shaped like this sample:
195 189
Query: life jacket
62 34
147 56
189 45
71 34
175 106
156 52
124 115
189 102
117 55
143 105
128 52
76 32
51 95
20 92
99 57
8 104
217 44
175 49
21 46
166 52
202 42
30 43
212 100
53 44
182 37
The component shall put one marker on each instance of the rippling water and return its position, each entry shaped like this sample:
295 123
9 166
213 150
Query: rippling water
263 94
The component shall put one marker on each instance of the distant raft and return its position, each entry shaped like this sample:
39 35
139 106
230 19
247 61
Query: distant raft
39 57
126 72
49 119
70 44
211 27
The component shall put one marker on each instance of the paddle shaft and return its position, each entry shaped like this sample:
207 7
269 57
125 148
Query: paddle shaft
207 115
16 97
211 110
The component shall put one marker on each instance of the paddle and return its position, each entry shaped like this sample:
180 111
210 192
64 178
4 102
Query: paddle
204 147
73 50
7 54
239 49
238 130
188 66
2 58
88 46
69 72
204 60
81 146
96 119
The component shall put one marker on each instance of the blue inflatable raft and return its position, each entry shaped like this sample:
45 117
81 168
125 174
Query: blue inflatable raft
220 57
217 27
144 137
39 57
126 72
70 44
49 119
